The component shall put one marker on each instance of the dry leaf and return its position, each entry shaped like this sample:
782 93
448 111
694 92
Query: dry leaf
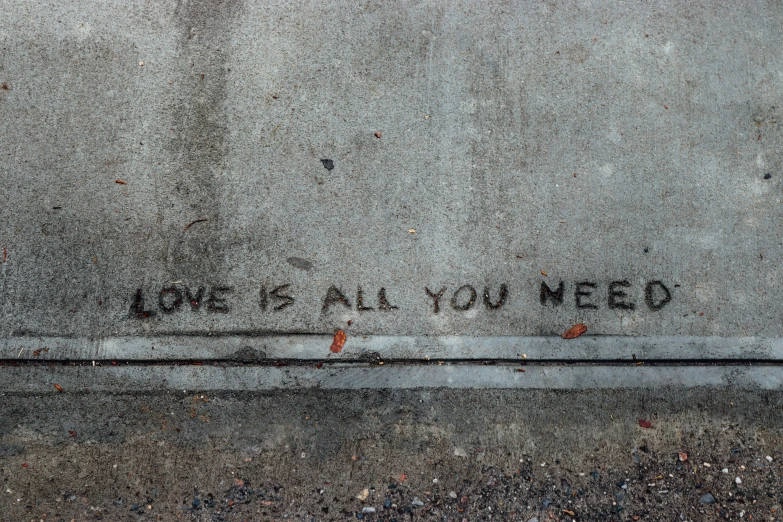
683 456
570 513
59 388
544 274
364 494
339 342
645 423
575 331
120 182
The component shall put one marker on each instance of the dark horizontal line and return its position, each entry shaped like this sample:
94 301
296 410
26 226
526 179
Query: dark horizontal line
186 333
369 361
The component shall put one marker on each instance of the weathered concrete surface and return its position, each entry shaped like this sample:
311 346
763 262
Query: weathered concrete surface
505 455
597 142
125 378
196 179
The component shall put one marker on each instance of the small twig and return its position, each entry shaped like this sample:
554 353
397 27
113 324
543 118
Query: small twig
193 223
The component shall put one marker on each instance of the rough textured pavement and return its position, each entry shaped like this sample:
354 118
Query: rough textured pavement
407 454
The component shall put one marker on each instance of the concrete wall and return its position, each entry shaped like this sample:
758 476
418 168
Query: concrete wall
470 143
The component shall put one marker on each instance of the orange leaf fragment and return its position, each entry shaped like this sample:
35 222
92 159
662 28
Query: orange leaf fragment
570 513
683 456
645 424
544 274
58 387
575 331
120 182
339 342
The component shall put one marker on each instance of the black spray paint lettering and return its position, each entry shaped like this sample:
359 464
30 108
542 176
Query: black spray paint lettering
584 290
383 302
503 294
216 302
555 296
171 298
467 291
435 298
281 300
617 296
170 305
360 301
656 295
335 296
465 297
137 307
194 300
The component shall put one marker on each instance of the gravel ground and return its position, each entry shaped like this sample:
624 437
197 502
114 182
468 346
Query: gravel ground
449 455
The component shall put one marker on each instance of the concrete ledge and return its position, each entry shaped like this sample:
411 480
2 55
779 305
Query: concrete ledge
259 347
130 378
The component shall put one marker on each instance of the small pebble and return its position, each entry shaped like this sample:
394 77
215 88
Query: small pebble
725 470
368 510
417 502
546 503
769 459
738 481
707 498
452 494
